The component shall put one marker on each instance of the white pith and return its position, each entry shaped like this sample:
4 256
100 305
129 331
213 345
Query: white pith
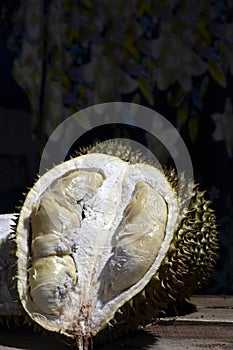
85 311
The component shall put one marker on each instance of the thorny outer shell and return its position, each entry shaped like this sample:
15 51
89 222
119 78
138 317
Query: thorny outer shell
102 224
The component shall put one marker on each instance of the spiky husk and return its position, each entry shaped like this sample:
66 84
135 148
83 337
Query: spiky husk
117 149
188 262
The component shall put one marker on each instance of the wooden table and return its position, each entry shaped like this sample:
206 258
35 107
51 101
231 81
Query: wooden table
209 327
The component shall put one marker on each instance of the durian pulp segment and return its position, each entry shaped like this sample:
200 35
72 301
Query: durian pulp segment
138 242
102 227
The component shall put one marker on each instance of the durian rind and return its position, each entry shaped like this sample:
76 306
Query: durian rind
183 267
32 201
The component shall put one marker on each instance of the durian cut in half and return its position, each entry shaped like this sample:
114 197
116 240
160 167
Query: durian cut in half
103 245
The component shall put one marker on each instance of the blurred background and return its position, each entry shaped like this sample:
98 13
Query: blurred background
176 57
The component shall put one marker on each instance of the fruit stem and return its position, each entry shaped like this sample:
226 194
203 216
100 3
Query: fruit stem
84 343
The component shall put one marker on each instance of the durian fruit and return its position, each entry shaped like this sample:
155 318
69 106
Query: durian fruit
105 242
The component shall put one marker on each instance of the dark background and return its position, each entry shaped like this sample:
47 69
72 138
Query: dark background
26 111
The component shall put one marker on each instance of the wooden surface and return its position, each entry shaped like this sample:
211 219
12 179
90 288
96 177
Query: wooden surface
210 326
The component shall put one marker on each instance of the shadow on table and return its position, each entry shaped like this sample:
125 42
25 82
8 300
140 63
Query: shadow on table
24 339
140 340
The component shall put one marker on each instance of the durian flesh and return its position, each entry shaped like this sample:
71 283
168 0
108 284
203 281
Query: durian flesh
92 236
